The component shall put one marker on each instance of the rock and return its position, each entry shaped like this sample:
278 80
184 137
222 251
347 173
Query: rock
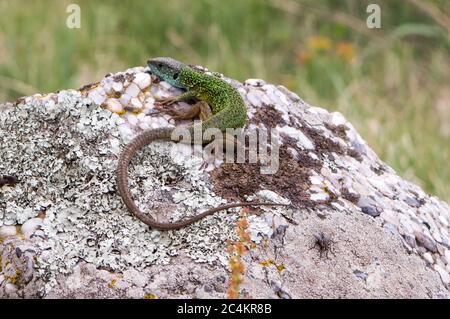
97 96
117 86
135 277
411 201
360 274
142 80
30 226
254 82
427 256
132 90
443 273
426 242
10 289
443 220
369 210
7 231
334 182
447 256
114 105
410 240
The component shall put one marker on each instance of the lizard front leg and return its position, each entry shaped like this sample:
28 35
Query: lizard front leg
186 96
200 109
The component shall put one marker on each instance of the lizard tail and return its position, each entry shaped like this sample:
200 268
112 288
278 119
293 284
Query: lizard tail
129 151
127 154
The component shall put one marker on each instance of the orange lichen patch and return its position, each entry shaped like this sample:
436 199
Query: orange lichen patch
268 262
332 195
19 232
150 296
346 51
112 283
13 279
237 249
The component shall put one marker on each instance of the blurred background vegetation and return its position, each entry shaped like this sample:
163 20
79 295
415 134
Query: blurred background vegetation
391 83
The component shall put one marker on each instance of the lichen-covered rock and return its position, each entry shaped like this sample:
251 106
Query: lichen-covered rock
64 231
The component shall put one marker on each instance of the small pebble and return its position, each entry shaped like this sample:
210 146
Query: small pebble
135 102
107 85
427 256
360 274
142 80
10 288
132 119
125 99
97 96
412 202
117 86
30 226
114 105
7 231
319 197
443 273
447 256
132 90
371 211
254 82
125 130
411 241
426 242
443 220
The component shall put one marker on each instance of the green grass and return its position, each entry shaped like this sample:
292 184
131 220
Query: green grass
395 90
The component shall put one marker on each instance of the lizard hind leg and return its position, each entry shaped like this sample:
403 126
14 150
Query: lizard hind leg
205 112
200 109
187 114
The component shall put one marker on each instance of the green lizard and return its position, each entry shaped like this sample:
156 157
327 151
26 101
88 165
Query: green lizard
219 106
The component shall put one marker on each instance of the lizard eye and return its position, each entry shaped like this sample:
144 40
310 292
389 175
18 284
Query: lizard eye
175 76
159 65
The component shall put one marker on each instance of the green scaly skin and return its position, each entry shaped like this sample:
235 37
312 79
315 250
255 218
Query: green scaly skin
228 111
227 106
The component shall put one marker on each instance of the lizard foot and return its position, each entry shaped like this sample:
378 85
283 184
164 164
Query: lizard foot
167 101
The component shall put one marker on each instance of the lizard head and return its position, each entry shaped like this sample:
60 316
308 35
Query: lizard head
166 69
